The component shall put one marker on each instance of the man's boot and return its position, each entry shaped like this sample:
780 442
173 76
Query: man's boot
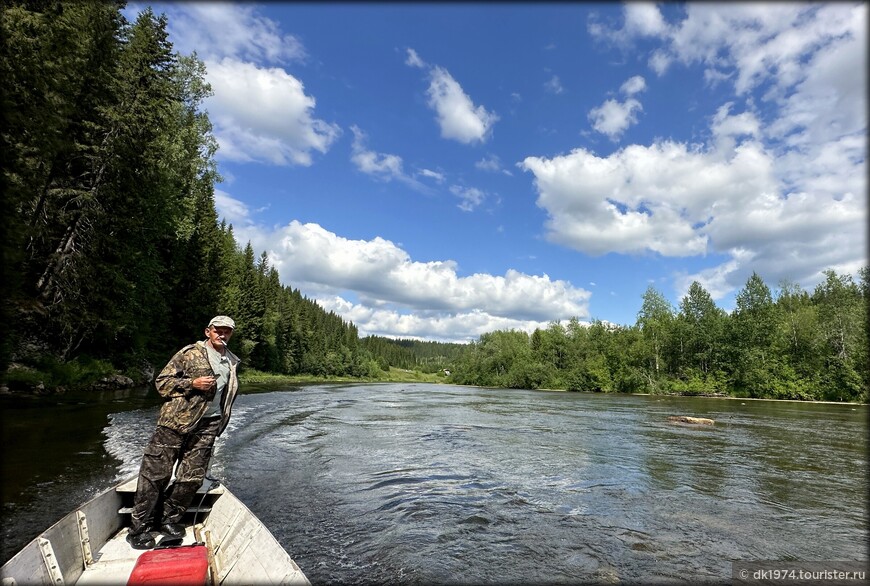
141 540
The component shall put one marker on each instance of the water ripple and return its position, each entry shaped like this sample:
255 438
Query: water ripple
422 484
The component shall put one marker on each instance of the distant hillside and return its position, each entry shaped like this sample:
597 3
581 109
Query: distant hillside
402 353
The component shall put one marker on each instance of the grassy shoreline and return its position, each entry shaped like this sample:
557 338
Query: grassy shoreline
728 397
395 375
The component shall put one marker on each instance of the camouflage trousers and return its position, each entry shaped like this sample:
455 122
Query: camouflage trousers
156 502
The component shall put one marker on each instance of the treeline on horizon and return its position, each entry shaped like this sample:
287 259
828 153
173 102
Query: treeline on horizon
113 255
408 354
794 345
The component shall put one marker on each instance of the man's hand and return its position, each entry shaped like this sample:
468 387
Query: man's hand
204 383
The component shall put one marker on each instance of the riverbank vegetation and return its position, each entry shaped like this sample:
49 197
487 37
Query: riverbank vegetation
113 256
791 345
391 375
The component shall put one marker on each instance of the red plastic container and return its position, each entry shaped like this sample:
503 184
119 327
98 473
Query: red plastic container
176 566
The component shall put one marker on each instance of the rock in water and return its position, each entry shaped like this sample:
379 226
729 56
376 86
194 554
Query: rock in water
690 420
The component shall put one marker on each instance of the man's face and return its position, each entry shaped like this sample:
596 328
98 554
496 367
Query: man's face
219 334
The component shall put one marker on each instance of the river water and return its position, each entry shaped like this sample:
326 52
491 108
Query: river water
436 484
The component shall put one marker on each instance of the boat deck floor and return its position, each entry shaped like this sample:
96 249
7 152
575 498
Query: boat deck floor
115 561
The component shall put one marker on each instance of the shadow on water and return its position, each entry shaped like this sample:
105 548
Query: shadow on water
53 456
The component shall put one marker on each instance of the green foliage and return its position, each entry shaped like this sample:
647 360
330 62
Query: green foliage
656 322
694 385
797 347
593 374
703 325
527 375
52 373
426 356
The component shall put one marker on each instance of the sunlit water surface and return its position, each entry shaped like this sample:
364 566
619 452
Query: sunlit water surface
434 484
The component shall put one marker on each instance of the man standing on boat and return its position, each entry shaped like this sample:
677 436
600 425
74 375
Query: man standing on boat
200 383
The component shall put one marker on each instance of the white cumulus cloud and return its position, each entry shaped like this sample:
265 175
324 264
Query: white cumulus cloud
640 19
260 112
437 176
633 85
457 115
613 117
470 197
644 19
216 30
390 286
780 186
385 167
413 60
264 114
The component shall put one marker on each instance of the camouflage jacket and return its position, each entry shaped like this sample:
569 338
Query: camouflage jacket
186 405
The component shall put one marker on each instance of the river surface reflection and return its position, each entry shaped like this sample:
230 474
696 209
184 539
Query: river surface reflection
432 484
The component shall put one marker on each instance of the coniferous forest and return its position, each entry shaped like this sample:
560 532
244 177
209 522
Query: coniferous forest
113 255
112 249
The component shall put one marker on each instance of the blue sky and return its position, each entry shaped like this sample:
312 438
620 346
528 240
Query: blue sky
438 171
